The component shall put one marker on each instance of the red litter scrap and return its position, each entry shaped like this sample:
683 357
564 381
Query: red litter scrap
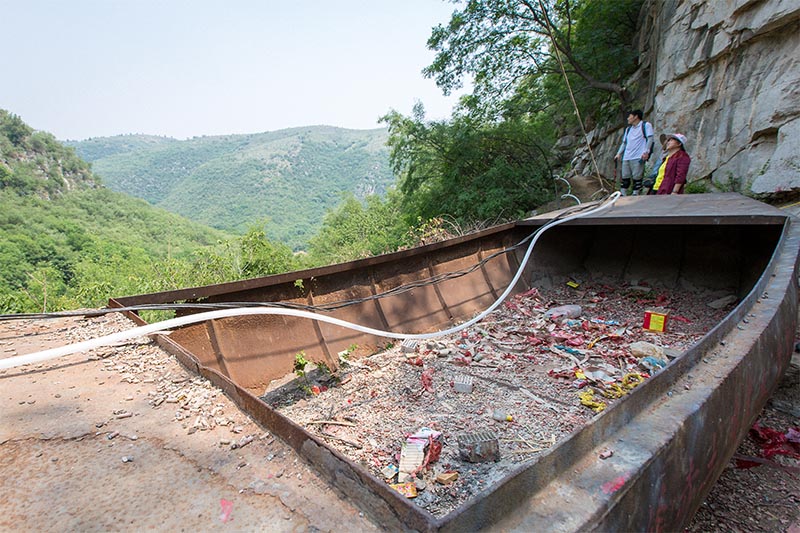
773 442
429 441
577 340
662 299
227 509
564 374
532 292
427 379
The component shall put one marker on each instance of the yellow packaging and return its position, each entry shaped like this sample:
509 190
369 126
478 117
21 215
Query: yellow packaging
409 490
656 319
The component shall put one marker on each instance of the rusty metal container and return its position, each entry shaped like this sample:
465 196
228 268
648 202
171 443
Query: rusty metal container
671 441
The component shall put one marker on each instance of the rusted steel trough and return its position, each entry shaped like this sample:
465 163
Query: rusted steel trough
671 437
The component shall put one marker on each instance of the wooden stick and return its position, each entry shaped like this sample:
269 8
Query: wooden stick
332 423
531 450
344 441
539 399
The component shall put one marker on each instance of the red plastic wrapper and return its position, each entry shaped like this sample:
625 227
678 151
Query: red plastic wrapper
773 442
534 340
427 379
577 340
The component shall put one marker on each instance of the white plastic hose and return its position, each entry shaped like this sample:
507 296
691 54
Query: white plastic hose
149 329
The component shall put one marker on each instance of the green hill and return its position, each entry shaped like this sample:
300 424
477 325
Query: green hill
288 178
101 147
66 240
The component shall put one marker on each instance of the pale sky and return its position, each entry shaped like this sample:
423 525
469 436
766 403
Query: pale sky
183 68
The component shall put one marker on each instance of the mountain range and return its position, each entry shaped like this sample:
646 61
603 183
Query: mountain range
282 181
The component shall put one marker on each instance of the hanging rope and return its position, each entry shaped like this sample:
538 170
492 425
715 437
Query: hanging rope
550 32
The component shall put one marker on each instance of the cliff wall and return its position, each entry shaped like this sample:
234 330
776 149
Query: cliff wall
726 73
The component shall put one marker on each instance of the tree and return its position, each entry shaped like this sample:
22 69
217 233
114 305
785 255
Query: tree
355 229
502 43
469 169
249 256
13 127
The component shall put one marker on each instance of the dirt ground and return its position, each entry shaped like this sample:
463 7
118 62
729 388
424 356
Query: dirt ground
754 494
123 438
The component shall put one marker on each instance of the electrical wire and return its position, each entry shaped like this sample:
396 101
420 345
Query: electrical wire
323 308
241 311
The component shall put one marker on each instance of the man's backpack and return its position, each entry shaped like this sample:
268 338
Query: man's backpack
648 140
644 132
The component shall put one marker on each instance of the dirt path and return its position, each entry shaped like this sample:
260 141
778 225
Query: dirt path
123 438
764 497
83 446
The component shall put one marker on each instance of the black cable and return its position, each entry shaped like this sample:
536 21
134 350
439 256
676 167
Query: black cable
433 280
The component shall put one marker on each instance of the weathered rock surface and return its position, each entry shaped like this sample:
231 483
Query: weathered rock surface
727 75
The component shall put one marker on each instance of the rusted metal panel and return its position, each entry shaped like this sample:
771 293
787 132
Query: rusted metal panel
254 350
672 437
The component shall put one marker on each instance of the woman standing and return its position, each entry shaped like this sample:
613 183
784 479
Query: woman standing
671 177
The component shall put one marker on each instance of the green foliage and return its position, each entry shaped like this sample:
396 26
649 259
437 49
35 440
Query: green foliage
82 248
491 161
67 242
603 46
468 169
33 162
85 246
356 229
438 229
103 147
501 44
249 256
289 177
696 187
14 129
300 363
344 355
602 40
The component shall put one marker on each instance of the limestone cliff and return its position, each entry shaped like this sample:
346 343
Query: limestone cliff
726 73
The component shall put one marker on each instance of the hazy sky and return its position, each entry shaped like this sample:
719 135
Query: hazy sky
91 68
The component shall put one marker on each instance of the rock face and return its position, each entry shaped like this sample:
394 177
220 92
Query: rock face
725 73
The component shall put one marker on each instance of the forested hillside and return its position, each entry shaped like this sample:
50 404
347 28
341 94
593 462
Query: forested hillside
66 241
101 147
287 179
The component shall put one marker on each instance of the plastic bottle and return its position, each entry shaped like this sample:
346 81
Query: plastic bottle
502 416
564 311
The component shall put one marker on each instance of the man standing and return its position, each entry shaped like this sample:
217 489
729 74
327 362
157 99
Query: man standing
636 147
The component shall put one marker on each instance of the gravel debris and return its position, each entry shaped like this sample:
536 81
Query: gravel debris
546 372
